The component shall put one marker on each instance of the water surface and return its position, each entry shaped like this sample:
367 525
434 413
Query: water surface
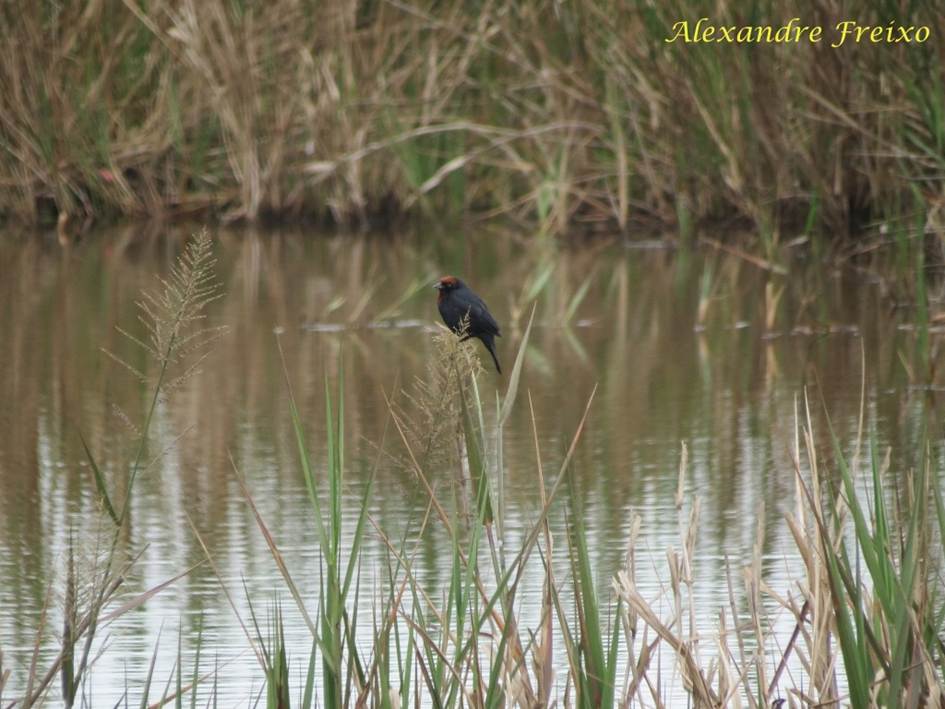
696 348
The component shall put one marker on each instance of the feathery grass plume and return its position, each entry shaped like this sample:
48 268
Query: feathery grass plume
176 340
173 316
431 416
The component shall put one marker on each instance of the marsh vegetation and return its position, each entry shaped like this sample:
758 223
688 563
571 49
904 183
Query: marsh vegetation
578 117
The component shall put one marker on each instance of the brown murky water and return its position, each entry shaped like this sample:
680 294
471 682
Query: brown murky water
698 348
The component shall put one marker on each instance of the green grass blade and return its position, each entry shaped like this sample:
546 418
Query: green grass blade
358 537
310 677
146 690
304 458
196 676
99 480
179 694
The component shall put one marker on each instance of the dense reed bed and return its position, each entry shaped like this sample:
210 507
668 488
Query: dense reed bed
866 604
575 115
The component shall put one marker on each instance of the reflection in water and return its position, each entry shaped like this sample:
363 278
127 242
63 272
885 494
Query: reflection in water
684 347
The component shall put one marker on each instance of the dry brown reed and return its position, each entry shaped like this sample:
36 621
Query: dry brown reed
815 666
580 116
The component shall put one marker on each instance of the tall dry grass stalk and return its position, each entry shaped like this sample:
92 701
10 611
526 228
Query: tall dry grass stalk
579 116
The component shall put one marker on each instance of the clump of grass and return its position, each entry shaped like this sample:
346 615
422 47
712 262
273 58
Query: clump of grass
468 645
274 655
468 648
867 618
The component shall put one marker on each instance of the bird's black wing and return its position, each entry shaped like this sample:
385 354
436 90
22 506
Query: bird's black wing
479 313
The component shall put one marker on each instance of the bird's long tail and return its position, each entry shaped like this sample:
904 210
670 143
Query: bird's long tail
490 345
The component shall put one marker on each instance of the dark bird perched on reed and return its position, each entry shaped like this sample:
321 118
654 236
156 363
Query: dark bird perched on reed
455 301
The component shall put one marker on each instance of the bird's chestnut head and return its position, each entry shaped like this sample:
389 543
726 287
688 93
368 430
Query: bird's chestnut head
447 283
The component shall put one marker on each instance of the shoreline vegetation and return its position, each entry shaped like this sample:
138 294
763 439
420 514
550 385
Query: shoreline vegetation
865 604
577 118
